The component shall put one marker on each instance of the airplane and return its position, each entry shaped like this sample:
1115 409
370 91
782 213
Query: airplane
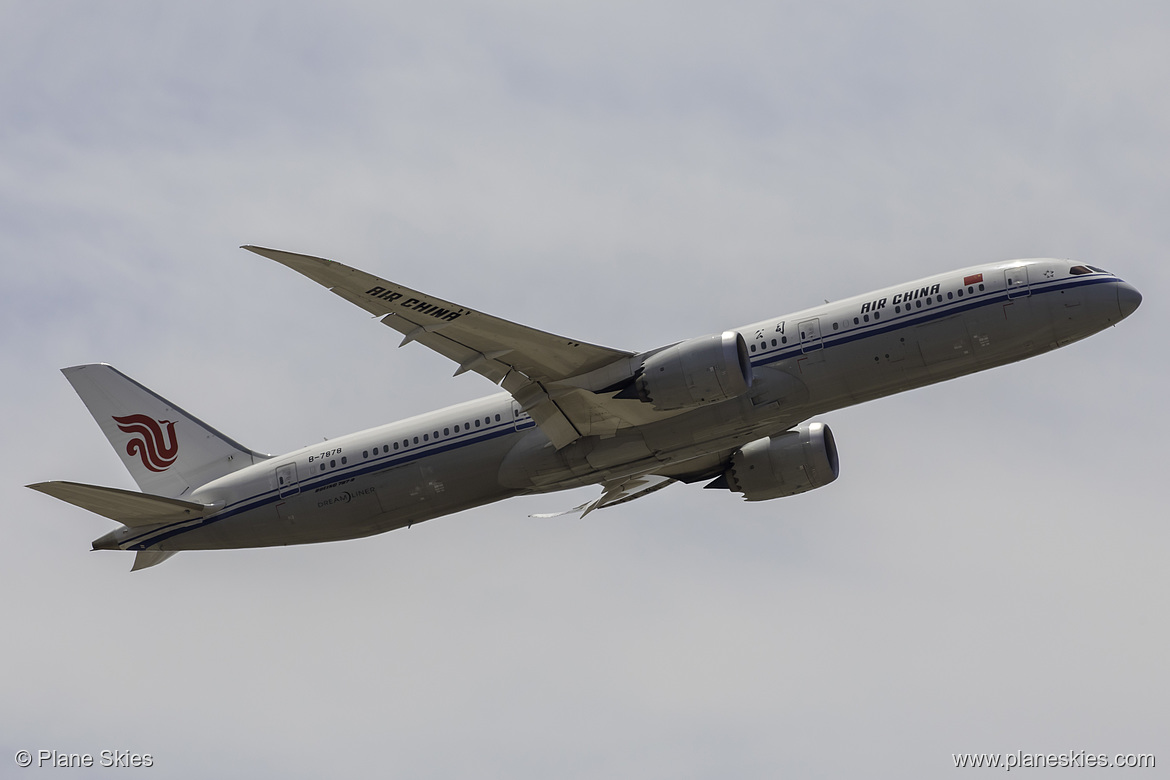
730 409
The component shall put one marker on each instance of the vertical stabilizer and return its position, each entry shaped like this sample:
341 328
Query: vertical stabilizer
167 451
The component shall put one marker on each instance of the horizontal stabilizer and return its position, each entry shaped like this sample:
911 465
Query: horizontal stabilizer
125 506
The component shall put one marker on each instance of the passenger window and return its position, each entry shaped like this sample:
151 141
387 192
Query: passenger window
877 315
344 460
497 418
446 431
773 342
395 445
332 464
855 322
477 422
365 453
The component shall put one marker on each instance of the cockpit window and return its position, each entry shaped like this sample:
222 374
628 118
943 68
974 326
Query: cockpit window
1077 270
1098 270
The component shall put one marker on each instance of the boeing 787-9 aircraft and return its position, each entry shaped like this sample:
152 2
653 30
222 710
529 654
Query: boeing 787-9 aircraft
730 409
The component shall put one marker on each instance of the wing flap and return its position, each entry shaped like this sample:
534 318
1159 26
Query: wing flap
618 492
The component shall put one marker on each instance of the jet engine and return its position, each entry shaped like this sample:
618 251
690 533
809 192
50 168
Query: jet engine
697 372
793 462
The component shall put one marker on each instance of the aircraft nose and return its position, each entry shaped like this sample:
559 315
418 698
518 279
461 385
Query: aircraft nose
1128 299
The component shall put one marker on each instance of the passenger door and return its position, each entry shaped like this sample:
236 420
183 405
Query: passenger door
1016 281
286 480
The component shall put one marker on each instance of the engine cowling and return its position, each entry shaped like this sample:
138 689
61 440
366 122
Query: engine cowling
794 462
697 372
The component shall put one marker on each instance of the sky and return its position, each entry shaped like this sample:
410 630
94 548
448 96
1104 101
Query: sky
987 575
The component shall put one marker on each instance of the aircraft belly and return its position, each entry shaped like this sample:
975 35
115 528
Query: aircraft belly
535 465
775 385
1068 309
943 340
920 355
1080 312
403 495
627 447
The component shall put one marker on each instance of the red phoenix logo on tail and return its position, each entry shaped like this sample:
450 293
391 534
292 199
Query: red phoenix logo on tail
157 450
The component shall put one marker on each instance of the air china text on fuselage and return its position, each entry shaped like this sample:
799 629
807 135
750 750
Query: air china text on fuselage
730 410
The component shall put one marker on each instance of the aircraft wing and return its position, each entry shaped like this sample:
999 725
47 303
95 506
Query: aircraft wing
529 363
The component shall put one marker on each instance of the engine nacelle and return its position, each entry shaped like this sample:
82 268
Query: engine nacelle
796 461
701 371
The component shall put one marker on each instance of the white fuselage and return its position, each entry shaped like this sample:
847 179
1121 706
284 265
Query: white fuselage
804 364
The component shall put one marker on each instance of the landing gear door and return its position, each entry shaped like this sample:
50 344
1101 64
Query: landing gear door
1016 281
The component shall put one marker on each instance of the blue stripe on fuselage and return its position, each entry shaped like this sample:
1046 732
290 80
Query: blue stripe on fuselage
936 312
